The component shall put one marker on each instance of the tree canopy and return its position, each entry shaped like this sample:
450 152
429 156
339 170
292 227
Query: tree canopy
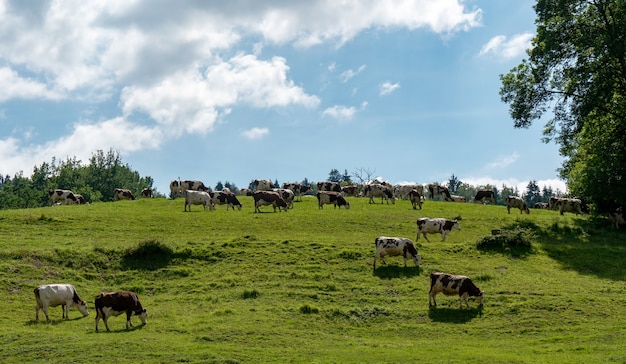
576 68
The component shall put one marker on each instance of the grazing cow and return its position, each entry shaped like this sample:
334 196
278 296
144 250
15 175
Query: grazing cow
198 198
52 295
379 190
449 284
351 190
484 196
457 198
298 189
617 217
331 197
553 203
245 192
62 197
393 246
80 199
402 191
146 192
416 199
441 226
435 189
329 186
286 194
123 194
541 205
516 202
569 205
116 303
225 197
263 185
178 188
262 198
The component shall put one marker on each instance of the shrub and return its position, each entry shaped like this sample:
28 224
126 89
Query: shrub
516 241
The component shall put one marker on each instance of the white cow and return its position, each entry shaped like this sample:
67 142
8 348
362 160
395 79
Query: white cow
198 198
441 226
52 295
394 246
516 202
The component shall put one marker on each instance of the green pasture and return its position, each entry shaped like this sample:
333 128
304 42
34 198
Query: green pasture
298 287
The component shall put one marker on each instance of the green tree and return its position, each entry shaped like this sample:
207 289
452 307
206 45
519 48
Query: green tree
533 193
454 183
334 176
576 68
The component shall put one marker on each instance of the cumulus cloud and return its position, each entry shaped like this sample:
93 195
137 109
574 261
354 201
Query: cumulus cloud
14 86
388 87
343 113
256 133
505 48
349 74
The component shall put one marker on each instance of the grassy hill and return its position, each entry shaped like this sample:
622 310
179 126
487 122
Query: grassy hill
238 286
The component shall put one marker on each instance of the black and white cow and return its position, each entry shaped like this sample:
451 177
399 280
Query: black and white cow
449 284
262 198
146 192
61 197
569 205
516 202
541 205
178 188
263 185
329 186
116 303
225 197
416 199
351 190
52 295
198 198
484 196
331 197
441 226
394 246
286 194
435 189
616 216
457 198
402 191
80 199
385 192
298 189
123 194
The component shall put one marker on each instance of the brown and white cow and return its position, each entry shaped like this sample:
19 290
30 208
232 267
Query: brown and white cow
435 189
52 295
61 197
351 190
484 196
329 186
123 194
516 202
262 198
225 197
416 199
146 192
116 303
331 197
263 185
394 246
298 189
439 225
198 198
402 191
569 205
450 284
385 192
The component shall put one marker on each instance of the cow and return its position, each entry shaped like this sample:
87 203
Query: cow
116 303
484 196
262 198
80 199
146 192
286 194
331 197
569 205
402 191
52 295
541 205
298 189
617 217
263 185
553 203
416 198
516 202
351 190
394 246
198 198
329 186
379 190
245 192
178 188
62 197
435 189
225 197
441 226
457 198
123 194
449 284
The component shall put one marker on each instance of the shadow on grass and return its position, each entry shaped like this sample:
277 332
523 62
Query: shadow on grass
123 330
391 271
52 321
454 315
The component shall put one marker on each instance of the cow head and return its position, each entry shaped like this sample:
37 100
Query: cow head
82 307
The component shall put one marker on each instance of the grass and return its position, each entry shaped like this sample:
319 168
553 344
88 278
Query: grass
245 287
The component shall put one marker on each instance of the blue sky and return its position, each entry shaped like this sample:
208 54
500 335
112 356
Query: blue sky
238 90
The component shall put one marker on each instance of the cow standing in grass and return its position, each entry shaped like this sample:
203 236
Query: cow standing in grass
52 295
394 246
516 202
449 284
441 226
116 303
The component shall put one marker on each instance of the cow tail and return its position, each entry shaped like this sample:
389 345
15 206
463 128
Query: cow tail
37 293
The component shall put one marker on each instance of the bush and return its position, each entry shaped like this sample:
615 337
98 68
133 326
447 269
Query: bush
516 241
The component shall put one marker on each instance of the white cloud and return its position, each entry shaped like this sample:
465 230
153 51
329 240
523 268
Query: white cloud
555 184
349 74
340 112
14 86
388 87
508 49
504 161
256 133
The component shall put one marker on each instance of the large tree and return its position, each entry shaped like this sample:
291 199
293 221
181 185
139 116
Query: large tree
576 68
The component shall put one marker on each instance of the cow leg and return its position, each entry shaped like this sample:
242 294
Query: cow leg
129 323
45 311
426 237
97 319
37 312
65 308
443 236
431 299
